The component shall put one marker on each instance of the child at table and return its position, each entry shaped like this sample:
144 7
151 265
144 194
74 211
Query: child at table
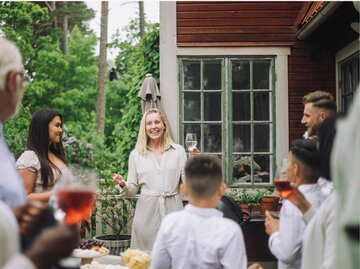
199 236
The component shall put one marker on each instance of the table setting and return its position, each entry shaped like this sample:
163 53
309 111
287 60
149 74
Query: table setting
92 255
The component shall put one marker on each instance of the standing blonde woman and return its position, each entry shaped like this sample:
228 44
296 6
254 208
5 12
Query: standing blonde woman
155 168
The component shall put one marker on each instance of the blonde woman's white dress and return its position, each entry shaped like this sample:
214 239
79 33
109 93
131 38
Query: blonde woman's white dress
158 182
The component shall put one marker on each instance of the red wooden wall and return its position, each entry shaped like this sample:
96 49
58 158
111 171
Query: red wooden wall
311 66
236 23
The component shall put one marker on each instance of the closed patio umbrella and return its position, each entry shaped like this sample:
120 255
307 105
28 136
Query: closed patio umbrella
150 95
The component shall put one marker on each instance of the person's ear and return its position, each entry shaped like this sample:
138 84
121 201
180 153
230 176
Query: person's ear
222 189
296 169
11 84
183 189
322 115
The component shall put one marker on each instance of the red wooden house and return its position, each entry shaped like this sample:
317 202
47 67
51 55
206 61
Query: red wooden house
235 73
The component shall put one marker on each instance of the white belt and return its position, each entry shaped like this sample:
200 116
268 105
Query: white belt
161 200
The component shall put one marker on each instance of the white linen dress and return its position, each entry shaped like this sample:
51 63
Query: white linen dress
158 183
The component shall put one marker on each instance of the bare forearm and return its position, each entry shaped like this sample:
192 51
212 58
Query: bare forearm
304 206
40 196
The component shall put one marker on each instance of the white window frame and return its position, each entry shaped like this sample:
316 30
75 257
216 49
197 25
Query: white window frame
169 80
340 57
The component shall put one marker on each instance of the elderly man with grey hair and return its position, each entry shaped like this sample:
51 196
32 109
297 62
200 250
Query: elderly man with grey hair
12 191
19 217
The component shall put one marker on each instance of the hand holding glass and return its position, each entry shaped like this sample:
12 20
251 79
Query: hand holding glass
190 141
76 195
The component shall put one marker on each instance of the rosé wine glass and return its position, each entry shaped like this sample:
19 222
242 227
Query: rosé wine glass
75 195
282 183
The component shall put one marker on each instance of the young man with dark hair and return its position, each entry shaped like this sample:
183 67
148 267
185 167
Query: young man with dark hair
286 234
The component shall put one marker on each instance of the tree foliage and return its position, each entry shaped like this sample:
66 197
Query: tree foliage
78 14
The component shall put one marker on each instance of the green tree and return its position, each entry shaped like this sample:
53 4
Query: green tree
20 22
66 82
77 12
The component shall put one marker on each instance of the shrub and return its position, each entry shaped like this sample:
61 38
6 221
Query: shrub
114 209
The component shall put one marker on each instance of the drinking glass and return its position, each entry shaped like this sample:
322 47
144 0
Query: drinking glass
190 141
282 183
75 195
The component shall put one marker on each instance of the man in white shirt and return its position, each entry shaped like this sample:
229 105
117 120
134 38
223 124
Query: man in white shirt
199 236
12 191
286 235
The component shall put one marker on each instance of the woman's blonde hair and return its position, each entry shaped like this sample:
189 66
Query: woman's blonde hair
143 139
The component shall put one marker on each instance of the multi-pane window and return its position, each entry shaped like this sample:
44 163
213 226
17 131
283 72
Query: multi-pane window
229 104
349 72
202 103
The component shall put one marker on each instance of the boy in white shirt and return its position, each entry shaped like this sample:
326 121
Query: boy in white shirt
199 236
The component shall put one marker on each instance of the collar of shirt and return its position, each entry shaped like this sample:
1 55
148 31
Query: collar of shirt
306 188
203 212
171 145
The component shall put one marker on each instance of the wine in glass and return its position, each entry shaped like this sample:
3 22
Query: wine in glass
76 195
282 183
190 141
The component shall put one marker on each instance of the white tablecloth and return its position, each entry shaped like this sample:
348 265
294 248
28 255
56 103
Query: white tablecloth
109 259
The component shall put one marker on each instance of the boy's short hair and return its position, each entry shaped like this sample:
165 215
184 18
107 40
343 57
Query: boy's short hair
203 175
320 99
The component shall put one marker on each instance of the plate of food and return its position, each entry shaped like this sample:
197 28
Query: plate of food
136 259
89 249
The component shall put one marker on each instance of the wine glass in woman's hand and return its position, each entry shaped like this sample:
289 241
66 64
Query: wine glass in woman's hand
190 143
76 194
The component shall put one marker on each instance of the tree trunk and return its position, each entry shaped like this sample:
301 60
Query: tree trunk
141 18
53 7
101 96
65 31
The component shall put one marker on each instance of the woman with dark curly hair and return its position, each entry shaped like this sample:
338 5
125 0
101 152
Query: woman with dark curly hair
41 164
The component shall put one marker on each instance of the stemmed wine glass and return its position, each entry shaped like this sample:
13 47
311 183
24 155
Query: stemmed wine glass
190 141
282 183
75 195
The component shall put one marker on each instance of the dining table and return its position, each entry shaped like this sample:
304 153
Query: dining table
109 259
103 260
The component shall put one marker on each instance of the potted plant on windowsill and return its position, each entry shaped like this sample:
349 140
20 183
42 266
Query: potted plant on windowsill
116 211
269 202
249 199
